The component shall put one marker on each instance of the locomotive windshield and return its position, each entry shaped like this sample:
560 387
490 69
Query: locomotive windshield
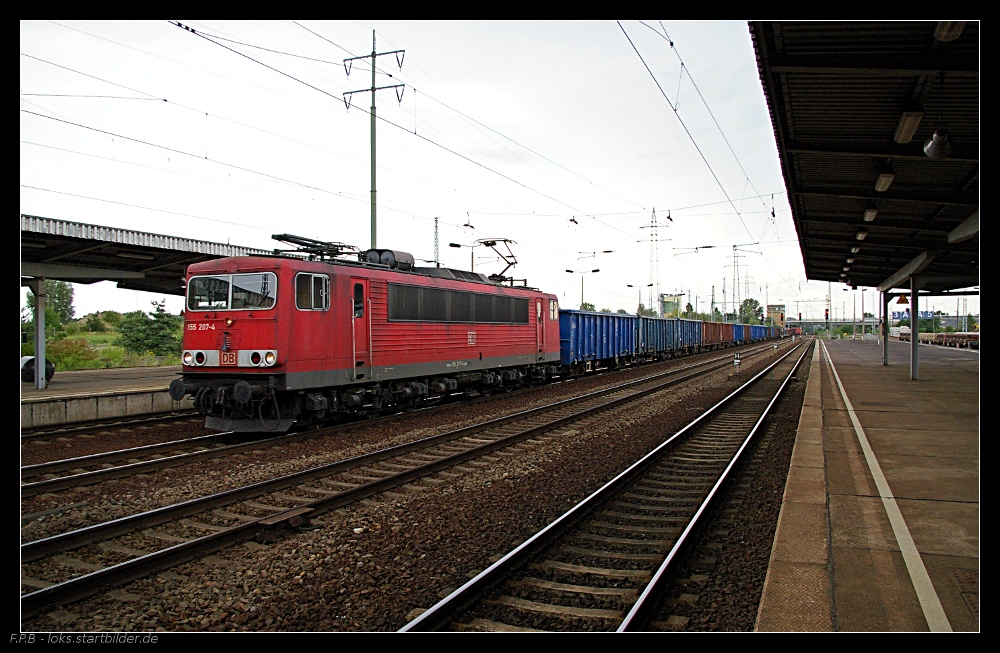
232 292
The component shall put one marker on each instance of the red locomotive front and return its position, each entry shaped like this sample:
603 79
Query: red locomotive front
271 341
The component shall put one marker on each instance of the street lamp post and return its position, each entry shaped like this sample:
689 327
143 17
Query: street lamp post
581 273
648 285
472 252
472 249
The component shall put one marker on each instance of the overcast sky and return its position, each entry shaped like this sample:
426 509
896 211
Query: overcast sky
552 134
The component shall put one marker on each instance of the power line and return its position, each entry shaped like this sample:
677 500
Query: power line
686 130
196 156
91 76
684 67
424 138
485 126
690 136
147 208
210 40
230 120
168 171
105 97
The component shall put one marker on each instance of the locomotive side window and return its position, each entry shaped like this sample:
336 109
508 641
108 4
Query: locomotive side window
312 291
420 304
303 291
553 309
232 292
359 300
321 292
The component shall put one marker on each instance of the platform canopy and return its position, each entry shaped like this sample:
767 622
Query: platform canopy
853 105
85 253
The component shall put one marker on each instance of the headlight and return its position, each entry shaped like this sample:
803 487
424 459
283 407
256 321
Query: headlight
270 357
188 358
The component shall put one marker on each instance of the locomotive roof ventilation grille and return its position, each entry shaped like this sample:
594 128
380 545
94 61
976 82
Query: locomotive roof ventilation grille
451 273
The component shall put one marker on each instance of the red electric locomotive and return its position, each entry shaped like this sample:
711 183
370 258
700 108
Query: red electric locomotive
272 341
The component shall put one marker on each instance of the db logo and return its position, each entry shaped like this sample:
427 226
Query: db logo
227 357
472 337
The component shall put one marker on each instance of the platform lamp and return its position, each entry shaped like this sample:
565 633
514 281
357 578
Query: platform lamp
648 285
581 273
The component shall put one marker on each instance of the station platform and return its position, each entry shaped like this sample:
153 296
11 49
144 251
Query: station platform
88 395
880 522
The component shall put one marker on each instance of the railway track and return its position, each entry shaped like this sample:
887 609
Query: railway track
87 428
59 475
126 549
599 567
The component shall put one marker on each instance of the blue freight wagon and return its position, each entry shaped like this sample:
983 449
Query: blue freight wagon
688 335
758 332
588 340
657 337
738 333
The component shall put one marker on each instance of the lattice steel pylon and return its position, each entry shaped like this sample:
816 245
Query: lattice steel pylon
654 260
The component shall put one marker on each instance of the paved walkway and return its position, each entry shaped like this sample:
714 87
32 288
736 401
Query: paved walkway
90 382
879 529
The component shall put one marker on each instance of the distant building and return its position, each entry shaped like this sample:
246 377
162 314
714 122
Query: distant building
671 306
776 314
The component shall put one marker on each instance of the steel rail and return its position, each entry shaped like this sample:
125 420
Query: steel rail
438 616
639 613
50 432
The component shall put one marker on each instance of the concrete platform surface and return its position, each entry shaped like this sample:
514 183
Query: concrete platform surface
88 395
88 382
879 527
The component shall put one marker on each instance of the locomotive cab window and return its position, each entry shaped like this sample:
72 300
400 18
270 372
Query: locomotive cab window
359 300
553 309
312 292
224 292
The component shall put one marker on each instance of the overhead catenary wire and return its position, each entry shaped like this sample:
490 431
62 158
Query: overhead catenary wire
686 130
694 142
686 70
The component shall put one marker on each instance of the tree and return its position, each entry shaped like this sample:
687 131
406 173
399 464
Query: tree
605 310
751 312
113 318
59 298
646 312
138 333
622 311
587 306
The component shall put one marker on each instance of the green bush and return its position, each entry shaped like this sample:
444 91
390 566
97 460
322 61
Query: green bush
160 335
71 354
